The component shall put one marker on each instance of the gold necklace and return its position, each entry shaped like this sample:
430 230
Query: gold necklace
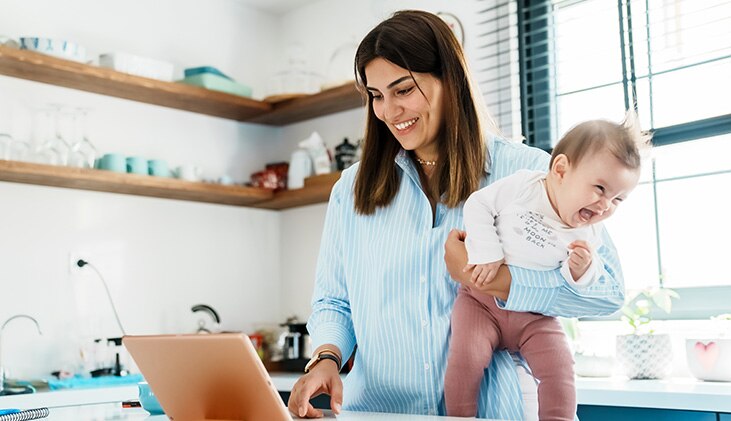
427 163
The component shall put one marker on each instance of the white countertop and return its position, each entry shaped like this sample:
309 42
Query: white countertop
676 393
113 411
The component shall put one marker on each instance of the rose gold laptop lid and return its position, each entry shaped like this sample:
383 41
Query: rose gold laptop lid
207 377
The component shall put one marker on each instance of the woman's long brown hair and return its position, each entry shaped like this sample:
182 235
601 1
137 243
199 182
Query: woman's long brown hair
421 43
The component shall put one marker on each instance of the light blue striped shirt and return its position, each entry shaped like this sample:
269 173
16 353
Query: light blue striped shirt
382 284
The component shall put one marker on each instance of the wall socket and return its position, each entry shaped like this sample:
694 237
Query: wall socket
74 257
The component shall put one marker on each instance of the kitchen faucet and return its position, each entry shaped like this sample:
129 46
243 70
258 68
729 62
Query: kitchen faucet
2 328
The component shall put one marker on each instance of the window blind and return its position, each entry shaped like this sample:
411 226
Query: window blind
493 50
582 59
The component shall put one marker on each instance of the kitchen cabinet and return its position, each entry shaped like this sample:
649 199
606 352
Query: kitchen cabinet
609 413
47 69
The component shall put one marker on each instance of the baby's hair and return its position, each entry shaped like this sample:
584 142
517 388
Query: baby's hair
626 141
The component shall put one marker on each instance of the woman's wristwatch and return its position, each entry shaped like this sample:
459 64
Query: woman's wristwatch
324 354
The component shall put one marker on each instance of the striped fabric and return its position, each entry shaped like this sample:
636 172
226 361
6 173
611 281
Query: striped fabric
391 264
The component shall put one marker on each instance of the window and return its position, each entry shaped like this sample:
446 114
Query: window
671 59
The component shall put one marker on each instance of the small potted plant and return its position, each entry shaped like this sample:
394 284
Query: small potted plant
644 354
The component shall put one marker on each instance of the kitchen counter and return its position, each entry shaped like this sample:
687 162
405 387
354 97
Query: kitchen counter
114 411
675 393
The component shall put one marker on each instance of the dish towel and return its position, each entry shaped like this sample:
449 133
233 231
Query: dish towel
30 414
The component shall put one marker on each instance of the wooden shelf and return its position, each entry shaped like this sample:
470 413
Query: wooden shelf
317 190
55 71
70 74
43 68
333 100
141 185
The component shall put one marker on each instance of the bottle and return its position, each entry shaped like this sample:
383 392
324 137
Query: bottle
344 155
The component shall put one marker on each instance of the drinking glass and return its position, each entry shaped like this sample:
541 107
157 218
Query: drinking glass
83 153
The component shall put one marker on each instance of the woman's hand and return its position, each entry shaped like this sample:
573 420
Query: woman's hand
455 256
323 378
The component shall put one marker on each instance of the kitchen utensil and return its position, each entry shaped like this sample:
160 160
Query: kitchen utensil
137 165
158 168
112 162
188 172
148 400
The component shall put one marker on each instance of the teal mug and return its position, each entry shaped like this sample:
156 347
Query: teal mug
158 168
137 165
148 400
112 162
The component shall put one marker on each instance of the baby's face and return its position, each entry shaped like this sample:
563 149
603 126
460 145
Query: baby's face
591 191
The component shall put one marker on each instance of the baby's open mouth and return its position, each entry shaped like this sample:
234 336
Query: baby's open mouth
586 214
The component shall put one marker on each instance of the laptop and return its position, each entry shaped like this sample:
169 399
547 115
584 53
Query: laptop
207 377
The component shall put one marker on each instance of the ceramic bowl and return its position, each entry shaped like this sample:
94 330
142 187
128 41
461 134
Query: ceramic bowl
54 47
148 400
709 359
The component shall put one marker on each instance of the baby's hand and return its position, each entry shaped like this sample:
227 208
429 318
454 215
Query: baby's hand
483 274
579 258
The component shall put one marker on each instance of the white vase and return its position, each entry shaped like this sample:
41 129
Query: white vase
645 356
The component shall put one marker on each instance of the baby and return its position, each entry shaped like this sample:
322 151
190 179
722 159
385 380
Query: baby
540 221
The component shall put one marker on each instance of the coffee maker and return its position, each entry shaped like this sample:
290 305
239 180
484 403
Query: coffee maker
296 345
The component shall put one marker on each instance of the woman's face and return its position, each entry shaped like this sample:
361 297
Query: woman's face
415 119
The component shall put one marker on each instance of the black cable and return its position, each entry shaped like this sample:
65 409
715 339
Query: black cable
81 263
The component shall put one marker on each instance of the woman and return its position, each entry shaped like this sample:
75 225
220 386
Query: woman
382 283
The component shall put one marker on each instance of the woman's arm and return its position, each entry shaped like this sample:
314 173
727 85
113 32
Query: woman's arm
330 321
547 292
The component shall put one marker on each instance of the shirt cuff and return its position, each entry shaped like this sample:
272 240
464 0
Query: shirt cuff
335 334
532 290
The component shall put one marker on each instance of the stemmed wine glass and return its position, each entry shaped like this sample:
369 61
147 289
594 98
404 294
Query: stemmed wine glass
83 153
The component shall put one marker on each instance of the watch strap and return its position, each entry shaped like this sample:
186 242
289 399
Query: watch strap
324 354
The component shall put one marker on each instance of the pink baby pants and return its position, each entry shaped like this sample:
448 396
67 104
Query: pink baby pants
479 327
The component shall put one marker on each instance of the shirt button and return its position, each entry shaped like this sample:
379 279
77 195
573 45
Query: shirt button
426 366
422 278
424 323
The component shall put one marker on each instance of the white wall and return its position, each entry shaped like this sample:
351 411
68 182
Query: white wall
162 256
159 256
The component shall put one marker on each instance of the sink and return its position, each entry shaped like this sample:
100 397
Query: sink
17 390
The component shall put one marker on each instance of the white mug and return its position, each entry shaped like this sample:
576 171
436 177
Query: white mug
188 172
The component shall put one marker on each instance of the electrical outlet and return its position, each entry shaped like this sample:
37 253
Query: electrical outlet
74 258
